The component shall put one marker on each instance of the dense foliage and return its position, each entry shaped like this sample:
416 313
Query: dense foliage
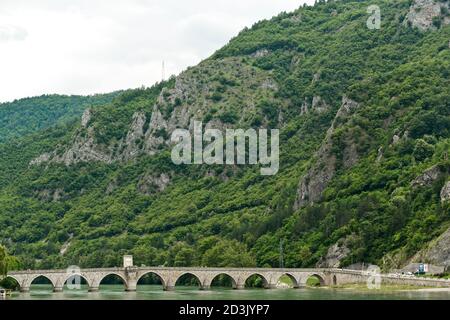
7 262
233 216
26 116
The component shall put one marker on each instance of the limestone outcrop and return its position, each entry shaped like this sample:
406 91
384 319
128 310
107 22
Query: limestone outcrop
437 251
429 176
335 254
317 178
424 13
191 98
445 192
133 143
51 195
86 117
260 53
318 104
149 183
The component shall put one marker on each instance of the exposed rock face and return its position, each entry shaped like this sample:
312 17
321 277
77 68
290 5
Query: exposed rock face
414 267
65 245
45 157
428 177
269 84
319 105
320 174
351 155
316 180
51 195
395 139
437 252
294 19
84 149
189 100
149 184
134 139
347 107
295 61
86 117
304 108
260 53
380 154
335 254
316 77
445 192
153 137
422 13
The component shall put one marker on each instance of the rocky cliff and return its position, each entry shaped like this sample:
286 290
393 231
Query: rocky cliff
220 93
314 182
428 14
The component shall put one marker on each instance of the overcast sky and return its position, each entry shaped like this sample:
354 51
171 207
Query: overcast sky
94 46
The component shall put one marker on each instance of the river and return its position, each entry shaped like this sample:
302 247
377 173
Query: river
154 292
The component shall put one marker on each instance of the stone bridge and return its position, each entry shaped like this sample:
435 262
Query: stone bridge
205 276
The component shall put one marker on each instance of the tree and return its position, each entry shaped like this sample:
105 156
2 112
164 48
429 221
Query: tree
3 269
228 253
7 262
422 150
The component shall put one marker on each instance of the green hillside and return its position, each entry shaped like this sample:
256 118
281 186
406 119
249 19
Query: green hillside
364 119
29 115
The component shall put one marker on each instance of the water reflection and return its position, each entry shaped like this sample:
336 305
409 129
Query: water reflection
155 292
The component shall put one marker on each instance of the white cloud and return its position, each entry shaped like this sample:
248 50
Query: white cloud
90 46
12 33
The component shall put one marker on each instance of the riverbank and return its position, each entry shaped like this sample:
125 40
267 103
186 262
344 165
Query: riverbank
390 288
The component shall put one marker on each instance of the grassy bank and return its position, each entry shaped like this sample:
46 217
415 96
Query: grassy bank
383 288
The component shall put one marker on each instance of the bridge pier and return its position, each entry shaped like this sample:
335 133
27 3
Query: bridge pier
93 289
131 286
205 287
169 288
24 289
57 289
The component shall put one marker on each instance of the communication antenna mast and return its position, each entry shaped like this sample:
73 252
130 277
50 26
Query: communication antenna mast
163 72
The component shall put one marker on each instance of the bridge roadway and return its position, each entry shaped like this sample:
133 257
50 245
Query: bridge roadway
205 276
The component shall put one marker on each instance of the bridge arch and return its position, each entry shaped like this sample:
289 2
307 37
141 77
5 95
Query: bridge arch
109 274
70 276
159 276
265 282
320 278
191 274
291 277
217 275
53 282
18 281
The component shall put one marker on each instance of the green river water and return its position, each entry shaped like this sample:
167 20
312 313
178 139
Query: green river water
154 292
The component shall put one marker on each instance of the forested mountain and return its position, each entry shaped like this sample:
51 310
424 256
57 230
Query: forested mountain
25 116
364 119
